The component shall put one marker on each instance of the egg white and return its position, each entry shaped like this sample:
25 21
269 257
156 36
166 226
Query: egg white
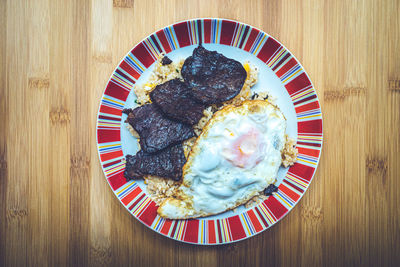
214 178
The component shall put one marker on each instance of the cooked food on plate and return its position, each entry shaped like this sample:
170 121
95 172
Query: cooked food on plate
207 143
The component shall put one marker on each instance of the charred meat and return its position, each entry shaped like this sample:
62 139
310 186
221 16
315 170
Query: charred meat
175 100
155 130
270 189
213 77
166 163
166 61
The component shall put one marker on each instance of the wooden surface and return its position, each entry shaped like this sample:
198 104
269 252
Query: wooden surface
55 205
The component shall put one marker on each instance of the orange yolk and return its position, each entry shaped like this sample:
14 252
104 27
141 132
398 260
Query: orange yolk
244 151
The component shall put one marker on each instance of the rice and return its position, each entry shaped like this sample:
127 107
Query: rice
254 201
187 145
289 153
160 188
207 114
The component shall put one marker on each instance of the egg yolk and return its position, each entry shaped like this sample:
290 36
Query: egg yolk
244 151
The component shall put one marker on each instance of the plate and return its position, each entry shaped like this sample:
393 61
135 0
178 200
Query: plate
280 73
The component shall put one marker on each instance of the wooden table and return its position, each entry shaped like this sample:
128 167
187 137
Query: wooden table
55 205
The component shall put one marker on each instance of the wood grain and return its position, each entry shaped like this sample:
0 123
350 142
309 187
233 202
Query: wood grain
56 208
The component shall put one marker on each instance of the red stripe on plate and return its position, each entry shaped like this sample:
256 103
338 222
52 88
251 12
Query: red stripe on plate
207 30
164 42
227 30
126 77
261 217
254 220
116 181
308 151
136 202
109 118
219 230
126 67
290 193
211 232
141 53
111 163
297 83
174 229
277 209
306 107
111 155
311 97
245 32
106 135
302 171
285 68
313 126
251 39
149 214
268 49
165 228
182 34
110 110
294 186
281 61
198 31
236 228
192 230
129 197
153 38
116 91
308 144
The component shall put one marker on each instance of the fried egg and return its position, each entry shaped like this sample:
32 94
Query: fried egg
237 155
